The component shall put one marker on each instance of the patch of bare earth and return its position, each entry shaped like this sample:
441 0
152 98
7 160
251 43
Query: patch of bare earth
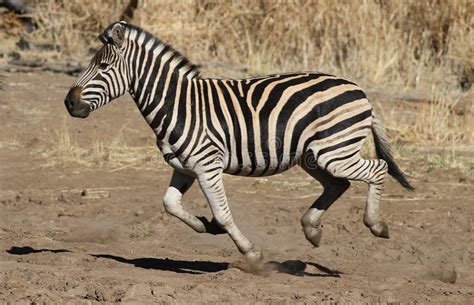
95 230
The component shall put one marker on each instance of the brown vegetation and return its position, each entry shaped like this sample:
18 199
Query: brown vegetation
395 46
400 43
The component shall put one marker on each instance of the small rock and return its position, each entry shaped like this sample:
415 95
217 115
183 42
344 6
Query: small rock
96 295
442 271
63 198
138 291
34 200
78 291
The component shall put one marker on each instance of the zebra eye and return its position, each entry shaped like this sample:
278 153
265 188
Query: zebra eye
103 66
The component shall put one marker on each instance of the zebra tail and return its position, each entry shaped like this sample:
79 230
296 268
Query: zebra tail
382 148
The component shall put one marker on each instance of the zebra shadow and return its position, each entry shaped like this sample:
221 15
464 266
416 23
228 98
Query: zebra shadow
167 264
178 266
29 250
291 267
300 268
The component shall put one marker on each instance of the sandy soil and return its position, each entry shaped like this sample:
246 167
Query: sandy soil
86 234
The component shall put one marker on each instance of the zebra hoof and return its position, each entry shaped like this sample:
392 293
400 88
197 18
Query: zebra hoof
380 230
253 262
254 258
313 235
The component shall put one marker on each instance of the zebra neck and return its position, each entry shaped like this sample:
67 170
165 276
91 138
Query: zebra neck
160 99
160 79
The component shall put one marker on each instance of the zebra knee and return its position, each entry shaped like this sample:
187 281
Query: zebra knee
382 167
377 175
335 169
171 201
223 221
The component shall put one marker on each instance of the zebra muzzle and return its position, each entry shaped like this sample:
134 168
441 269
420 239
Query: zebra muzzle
73 103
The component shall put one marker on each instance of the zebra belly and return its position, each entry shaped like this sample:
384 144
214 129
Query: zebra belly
263 167
259 172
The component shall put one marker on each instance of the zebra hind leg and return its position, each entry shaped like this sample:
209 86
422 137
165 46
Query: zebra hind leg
333 189
372 172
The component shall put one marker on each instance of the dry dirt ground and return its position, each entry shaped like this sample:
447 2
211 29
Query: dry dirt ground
87 233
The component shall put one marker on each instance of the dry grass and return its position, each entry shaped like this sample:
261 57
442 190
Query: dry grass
434 123
403 43
395 44
12 144
426 46
62 148
141 231
70 26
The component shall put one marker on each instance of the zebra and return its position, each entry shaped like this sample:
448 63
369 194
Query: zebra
258 126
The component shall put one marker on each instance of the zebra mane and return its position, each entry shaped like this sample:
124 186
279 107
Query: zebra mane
146 38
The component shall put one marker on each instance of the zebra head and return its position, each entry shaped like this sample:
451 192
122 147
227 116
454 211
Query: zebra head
106 77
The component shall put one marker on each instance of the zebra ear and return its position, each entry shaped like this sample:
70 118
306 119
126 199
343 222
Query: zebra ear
118 35
114 34
104 39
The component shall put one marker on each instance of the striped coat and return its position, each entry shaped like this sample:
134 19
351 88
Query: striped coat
250 127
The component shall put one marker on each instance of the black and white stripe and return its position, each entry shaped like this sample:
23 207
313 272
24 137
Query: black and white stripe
250 127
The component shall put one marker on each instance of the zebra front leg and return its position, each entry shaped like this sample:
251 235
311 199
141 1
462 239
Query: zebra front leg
179 184
213 188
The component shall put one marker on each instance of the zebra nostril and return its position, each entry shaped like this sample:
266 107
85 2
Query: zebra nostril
73 103
70 104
